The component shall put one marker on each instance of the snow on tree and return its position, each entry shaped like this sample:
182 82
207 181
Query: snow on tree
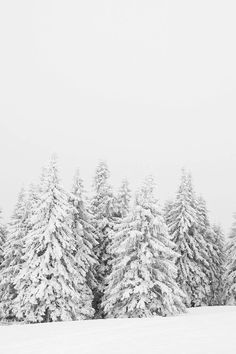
85 236
123 199
49 284
13 255
230 268
205 231
167 210
3 232
218 265
215 254
182 220
142 282
102 207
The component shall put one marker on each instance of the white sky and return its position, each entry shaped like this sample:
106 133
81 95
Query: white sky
148 85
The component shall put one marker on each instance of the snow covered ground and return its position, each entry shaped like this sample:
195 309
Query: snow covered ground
202 330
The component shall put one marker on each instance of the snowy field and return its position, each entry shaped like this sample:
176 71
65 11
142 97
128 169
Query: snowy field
201 331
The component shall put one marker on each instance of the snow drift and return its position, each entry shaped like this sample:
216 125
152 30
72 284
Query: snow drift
206 330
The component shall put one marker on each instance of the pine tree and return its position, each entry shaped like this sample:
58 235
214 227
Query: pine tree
49 284
3 233
85 236
183 225
218 265
215 254
102 207
205 231
123 199
230 268
142 282
13 255
167 210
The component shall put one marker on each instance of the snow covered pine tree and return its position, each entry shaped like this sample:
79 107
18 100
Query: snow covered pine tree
142 282
85 236
218 265
183 225
122 202
215 255
3 233
13 256
48 284
230 268
102 207
2 242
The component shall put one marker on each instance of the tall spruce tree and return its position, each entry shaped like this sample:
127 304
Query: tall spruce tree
183 225
102 207
49 285
230 268
142 282
86 239
13 255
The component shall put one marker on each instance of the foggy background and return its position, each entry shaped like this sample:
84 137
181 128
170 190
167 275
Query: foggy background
149 86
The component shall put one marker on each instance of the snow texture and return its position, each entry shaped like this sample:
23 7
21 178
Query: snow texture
206 330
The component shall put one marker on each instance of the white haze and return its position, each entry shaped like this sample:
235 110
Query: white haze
149 86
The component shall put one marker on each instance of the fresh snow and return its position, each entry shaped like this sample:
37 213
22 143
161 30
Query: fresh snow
205 330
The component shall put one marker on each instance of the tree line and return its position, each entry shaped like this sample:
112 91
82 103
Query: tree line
64 256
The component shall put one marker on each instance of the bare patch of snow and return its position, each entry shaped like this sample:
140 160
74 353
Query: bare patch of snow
206 330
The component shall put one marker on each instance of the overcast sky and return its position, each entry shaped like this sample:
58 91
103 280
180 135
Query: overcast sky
149 86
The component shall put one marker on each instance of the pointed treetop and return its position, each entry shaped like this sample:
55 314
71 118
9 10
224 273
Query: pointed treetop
101 175
147 191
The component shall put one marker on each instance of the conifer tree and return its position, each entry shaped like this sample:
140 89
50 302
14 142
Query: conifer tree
3 232
182 220
49 285
218 265
102 207
13 255
85 236
205 231
214 239
167 210
230 268
123 199
142 282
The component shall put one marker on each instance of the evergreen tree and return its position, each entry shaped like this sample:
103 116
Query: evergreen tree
183 225
49 285
13 255
142 282
167 210
230 268
3 232
215 254
85 236
218 265
123 200
102 207
206 233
